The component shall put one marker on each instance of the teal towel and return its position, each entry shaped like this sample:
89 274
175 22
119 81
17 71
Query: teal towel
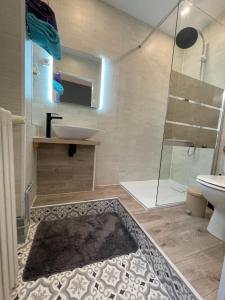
44 34
58 87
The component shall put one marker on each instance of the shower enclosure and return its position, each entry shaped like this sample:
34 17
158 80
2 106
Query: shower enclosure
193 125
190 137
191 115
153 59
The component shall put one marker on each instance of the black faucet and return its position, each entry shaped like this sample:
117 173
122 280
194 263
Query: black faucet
49 118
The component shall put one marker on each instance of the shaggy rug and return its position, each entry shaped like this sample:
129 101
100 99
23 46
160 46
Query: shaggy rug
66 244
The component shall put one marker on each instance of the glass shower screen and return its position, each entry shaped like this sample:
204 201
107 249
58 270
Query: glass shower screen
195 105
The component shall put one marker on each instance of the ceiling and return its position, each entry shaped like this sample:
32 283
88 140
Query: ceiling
148 11
152 11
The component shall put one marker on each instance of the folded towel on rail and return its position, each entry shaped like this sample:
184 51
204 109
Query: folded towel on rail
44 34
42 11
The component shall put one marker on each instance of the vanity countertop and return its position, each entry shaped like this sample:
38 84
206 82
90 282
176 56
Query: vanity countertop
55 140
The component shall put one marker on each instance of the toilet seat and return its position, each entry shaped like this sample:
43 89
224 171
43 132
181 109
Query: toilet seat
214 181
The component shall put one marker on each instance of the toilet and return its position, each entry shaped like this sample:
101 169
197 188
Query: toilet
213 189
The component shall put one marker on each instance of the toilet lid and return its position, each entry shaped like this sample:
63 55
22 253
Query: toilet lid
214 180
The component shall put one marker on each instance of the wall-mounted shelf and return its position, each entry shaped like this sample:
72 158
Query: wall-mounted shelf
54 140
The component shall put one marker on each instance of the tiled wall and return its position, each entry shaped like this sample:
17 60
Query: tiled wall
135 90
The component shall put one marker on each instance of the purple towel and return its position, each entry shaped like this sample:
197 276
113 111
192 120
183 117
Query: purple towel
42 11
57 77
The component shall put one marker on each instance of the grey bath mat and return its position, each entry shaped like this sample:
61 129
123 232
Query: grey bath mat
66 244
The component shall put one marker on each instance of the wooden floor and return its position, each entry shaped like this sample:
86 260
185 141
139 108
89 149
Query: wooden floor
195 252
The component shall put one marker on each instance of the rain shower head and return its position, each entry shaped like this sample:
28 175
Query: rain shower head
187 37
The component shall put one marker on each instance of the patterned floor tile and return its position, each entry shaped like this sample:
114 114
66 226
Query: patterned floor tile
125 277
143 275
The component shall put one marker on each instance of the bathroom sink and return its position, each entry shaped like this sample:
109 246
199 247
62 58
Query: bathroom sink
73 132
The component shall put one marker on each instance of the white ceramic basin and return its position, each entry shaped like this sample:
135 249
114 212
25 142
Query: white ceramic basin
73 132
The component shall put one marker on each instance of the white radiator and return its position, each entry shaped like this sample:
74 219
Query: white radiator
8 238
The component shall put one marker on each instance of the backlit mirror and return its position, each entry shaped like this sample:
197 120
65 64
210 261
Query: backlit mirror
74 80
80 77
